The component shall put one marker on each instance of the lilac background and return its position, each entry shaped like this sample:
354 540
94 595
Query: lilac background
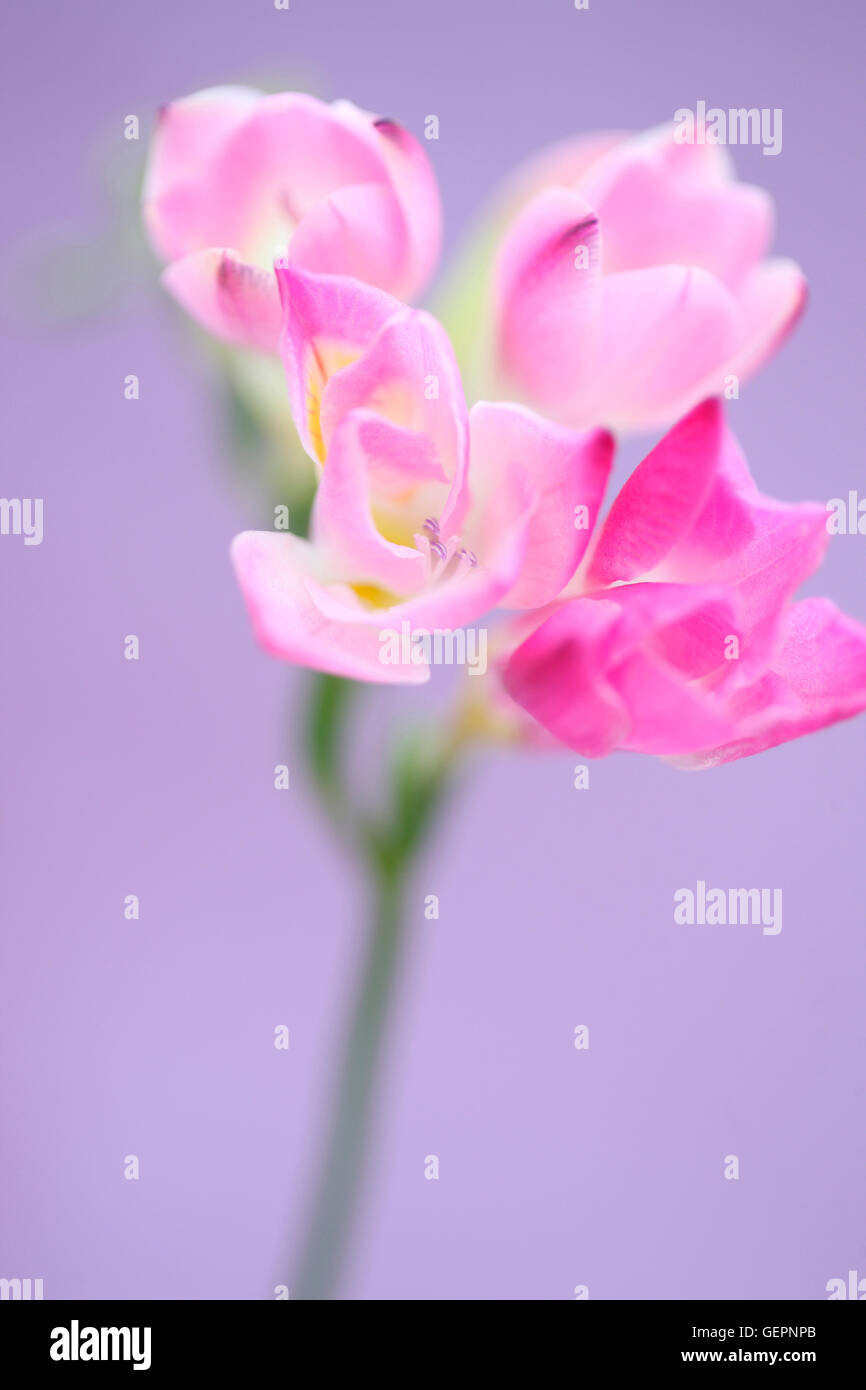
557 1167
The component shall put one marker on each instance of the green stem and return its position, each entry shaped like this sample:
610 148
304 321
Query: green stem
341 1179
324 738
419 773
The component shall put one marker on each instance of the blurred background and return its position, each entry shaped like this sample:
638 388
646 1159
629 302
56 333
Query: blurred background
155 1037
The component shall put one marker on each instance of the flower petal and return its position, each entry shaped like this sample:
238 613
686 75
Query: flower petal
661 500
357 230
548 298
231 299
664 331
559 675
662 203
762 549
188 136
619 670
342 524
773 298
299 618
289 154
566 163
668 715
565 474
817 678
418 192
328 322
408 375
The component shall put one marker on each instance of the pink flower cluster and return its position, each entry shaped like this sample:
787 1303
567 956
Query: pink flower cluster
631 283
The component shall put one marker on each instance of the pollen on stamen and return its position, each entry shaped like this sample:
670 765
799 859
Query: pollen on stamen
446 557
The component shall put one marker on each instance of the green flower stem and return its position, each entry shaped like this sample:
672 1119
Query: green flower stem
341 1178
420 773
327 709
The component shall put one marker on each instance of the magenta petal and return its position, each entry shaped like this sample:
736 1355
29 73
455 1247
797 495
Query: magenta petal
661 500
692 513
619 670
560 676
667 714
817 678
684 625
761 548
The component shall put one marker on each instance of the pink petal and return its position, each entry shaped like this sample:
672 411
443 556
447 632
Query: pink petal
699 165
234 168
418 192
661 203
188 136
663 332
231 299
289 154
472 593
566 163
328 322
548 298
301 614
346 347
497 534
563 470
299 618
409 377
357 230
343 527
772 299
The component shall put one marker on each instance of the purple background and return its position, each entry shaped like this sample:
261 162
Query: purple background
558 1167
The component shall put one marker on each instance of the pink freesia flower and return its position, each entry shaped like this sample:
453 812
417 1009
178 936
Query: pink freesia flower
677 635
426 514
634 282
235 177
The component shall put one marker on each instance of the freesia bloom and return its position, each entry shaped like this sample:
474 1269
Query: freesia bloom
633 282
677 635
235 177
426 514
